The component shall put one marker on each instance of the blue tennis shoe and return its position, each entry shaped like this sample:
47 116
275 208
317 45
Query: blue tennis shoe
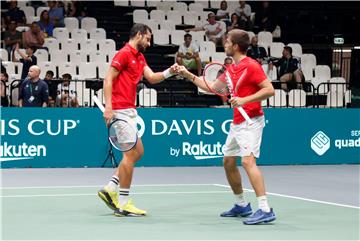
237 211
260 217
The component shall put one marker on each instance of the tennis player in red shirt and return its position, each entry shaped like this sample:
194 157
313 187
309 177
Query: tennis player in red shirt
244 139
126 70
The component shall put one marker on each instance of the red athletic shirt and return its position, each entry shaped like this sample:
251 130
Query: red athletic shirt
250 74
130 63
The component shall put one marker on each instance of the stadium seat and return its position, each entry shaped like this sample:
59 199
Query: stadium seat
87 70
69 45
39 10
204 3
98 57
322 75
140 16
103 69
196 7
338 87
4 55
297 98
296 49
175 16
265 38
148 97
121 3
158 15
71 23
205 57
9 66
180 6
198 36
42 55
79 34
22 28
279 99
98 33
161 37
190 18
152 3
58 56
107 45
215 4
61 33
18 67
65 68
271 74
276 49
137 3
203 15
164 6
335 99
153 24
45 66
308 63
76 57
207 46
167 25
251 35
218 57
88 45
88 23
177 37
29 13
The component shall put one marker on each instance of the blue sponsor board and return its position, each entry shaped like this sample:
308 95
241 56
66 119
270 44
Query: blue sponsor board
36 137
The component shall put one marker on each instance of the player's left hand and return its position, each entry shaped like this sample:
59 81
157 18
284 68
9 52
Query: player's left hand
237 101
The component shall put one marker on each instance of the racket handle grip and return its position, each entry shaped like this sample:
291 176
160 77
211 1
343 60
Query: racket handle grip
245 115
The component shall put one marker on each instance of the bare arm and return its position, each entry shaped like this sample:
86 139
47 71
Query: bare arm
266 91
108 82
157 77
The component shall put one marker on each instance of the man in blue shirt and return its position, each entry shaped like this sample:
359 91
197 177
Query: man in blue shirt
33 92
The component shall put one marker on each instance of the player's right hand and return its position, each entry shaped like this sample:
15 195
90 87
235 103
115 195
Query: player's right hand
108 116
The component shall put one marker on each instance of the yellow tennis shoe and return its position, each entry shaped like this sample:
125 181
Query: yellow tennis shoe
110 198
129 209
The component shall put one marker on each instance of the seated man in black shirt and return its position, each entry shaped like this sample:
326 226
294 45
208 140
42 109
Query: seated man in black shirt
289 71
255 51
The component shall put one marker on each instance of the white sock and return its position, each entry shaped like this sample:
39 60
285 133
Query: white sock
263 204
123 196
113 183
240 200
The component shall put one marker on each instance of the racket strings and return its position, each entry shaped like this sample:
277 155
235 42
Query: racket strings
122 135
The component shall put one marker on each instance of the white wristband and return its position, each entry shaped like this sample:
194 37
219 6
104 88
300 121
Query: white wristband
167 73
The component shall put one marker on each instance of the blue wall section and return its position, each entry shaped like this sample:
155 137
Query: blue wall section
176 137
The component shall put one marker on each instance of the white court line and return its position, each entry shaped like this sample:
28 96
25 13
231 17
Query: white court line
298 198
141 185
93 194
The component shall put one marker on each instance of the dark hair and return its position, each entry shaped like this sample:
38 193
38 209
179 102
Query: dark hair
139 27
241 38
187 35
5 74
50 72
67 76
289 49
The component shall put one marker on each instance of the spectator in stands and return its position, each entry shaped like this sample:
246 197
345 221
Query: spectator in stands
33 91
256 52
12 37
289 71
56 14
214 30
4 96
244 14
77 9
52 84
223 12
15 14
234 22
34 36
66 89
265 18
188 54
45 25
28 59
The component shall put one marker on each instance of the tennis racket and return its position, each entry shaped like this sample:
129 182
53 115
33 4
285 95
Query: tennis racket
122 135
218 80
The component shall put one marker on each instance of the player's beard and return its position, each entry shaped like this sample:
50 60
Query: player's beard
141 48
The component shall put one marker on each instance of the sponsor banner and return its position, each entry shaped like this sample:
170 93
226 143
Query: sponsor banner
36 137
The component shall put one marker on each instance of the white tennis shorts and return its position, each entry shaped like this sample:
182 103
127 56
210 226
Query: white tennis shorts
244 139
129 115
